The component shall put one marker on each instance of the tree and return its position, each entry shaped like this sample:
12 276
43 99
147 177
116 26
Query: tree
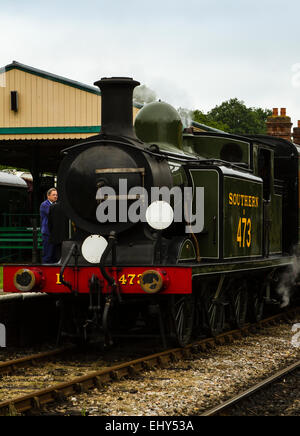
206 119
239 118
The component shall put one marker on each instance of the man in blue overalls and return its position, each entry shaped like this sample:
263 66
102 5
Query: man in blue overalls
48 248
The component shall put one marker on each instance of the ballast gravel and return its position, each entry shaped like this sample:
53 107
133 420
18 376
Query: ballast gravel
191 386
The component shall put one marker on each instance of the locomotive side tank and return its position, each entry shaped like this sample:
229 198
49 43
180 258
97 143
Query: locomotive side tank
214 259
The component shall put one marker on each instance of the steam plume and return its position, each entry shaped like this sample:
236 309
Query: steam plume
143 95
289 281
186 117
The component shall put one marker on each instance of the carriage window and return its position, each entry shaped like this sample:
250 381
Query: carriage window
264 171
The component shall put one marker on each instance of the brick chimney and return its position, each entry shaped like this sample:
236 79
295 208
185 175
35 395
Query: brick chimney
280 125
296 134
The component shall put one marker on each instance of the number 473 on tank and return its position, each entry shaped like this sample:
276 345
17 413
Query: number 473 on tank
243 235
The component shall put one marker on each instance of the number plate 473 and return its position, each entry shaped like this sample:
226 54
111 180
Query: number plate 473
243 235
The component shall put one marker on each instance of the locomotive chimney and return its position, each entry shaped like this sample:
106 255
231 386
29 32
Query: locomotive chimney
116 105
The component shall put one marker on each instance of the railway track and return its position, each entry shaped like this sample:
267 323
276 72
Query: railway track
60 391
11 366
224 408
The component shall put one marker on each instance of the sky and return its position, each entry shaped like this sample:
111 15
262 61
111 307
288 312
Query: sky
194 54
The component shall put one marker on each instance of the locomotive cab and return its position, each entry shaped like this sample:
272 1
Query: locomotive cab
272 199
284 173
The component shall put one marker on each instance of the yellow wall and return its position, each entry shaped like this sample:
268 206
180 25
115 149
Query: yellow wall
46 103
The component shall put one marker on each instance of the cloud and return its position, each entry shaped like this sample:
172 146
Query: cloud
193 55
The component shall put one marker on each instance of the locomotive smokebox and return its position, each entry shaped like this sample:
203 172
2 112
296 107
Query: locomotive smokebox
116 105
95 177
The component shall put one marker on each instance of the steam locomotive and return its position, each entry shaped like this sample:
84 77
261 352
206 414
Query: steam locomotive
172 230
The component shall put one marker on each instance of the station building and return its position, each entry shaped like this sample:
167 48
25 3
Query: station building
42 113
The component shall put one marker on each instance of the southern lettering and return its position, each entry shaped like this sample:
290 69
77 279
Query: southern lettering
243 200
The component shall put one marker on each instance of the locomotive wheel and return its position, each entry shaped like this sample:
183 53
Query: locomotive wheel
215 316
257 306
211 313
182 318
239 305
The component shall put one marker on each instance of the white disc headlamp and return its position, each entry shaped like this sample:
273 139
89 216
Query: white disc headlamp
159 215
93 248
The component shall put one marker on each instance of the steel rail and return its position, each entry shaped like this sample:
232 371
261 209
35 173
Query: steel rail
217 410
60 391
10 366
98 379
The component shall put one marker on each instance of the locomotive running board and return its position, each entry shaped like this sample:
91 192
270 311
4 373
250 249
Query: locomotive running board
242 266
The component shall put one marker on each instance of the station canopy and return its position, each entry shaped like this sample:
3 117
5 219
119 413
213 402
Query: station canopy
42 113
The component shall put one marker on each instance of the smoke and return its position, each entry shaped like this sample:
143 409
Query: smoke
289 281
186 117
143 95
